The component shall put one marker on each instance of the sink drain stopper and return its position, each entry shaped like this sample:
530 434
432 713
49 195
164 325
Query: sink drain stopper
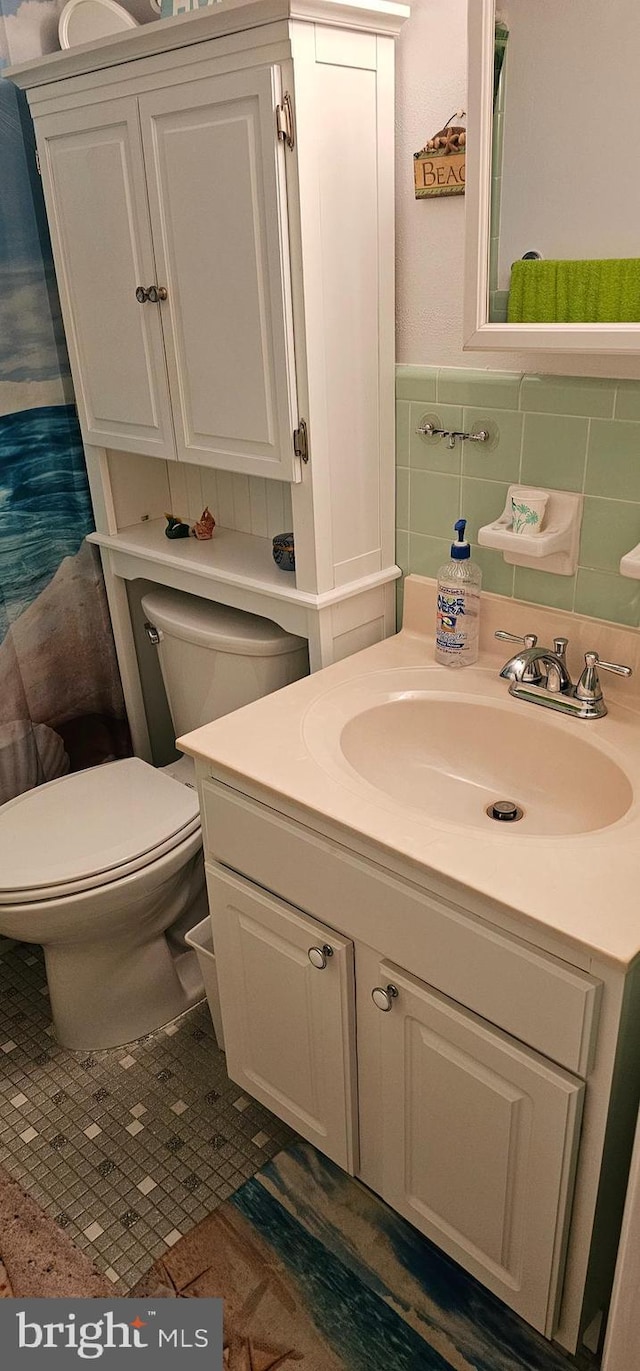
504 811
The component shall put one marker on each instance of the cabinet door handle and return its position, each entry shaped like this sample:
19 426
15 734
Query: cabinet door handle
318 956
383 997
151 294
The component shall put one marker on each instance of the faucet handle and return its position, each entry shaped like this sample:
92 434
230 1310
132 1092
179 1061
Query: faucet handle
591 659
529 639
589 687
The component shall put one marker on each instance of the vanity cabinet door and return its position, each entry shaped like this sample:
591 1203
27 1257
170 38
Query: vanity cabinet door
287 999
478 1141
93 177
217 194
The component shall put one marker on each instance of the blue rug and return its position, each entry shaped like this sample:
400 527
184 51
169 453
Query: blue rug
317 1271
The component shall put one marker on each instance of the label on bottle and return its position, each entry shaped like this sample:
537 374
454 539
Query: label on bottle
456 619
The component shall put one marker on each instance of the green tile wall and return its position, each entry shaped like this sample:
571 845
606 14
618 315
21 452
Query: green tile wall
567 433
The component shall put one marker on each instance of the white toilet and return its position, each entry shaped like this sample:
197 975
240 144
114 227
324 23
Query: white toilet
104 867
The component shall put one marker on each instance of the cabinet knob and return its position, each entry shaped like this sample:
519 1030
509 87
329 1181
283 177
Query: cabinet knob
151 294
318 956
383 997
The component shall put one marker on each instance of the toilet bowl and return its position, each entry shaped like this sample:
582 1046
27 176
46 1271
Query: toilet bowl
104 867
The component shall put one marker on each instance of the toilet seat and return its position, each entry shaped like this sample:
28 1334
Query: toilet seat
104 824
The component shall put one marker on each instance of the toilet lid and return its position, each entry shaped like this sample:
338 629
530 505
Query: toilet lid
81 830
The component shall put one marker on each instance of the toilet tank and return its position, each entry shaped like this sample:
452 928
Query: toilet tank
215 659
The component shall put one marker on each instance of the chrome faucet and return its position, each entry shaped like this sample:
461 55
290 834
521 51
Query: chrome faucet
537 665
539 675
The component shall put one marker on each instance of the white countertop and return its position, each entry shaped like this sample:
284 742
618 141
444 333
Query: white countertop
583 887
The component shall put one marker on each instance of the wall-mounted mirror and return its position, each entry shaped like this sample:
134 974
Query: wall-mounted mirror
553 188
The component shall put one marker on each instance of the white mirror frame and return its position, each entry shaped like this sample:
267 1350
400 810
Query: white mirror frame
479 332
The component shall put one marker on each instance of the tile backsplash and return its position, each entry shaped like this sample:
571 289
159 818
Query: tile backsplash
559 432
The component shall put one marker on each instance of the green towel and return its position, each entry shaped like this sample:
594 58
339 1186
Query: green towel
597 292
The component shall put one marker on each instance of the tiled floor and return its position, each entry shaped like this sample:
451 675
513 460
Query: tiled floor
127 1149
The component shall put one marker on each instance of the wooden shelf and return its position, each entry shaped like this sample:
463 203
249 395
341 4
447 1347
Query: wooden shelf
232 568
232 558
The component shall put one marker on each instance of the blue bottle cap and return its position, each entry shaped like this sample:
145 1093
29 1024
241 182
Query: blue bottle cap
460 550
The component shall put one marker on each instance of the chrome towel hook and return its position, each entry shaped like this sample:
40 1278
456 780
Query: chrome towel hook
429 430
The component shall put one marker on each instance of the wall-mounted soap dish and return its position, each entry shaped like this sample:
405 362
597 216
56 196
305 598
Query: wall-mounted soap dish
630 564
554 549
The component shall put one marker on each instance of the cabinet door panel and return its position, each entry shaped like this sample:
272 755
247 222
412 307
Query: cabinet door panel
288 1027
94 183
479 1143
217 195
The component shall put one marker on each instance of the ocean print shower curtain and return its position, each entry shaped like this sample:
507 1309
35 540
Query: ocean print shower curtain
61 705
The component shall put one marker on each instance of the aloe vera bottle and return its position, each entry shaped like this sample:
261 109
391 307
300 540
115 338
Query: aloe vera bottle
458 605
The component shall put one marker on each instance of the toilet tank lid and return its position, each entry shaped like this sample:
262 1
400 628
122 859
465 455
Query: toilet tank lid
216 626
92 822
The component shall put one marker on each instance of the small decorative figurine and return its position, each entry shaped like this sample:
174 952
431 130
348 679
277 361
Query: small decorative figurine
205 525
175 527
284 552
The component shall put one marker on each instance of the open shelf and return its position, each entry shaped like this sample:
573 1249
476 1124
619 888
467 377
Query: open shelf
231 558
233 568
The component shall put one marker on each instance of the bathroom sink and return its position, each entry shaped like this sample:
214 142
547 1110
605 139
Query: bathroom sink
451 756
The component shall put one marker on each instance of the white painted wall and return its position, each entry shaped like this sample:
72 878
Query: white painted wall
431 84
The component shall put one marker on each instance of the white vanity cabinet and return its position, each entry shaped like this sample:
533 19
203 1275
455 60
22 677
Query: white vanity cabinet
178 193
474 1136
477 1135
291 1031
488 1065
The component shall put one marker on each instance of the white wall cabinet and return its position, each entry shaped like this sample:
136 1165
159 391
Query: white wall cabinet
501 1131
100 225
181 190
239 158
218 202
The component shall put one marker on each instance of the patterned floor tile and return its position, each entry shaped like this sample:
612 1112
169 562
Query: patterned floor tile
127 1149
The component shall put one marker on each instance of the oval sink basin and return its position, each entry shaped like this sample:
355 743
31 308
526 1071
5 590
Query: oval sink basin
451 757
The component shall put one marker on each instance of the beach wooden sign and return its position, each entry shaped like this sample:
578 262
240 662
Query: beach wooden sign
440 166
438 173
